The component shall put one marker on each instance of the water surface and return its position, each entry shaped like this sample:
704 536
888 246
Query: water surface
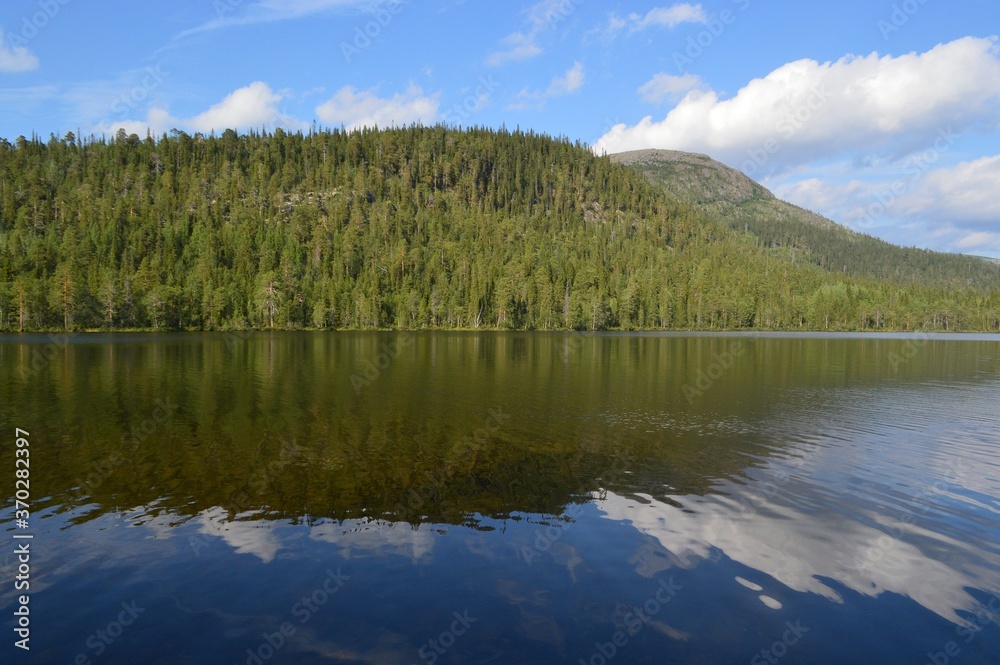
508 498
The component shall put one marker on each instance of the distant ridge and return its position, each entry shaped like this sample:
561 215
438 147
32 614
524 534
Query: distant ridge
803 236
694 175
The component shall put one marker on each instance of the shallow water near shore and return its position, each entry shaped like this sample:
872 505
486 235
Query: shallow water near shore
505 497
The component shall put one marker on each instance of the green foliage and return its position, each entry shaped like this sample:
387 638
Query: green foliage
409 228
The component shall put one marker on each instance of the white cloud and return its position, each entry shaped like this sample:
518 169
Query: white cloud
257 105
966 192
15 59
568 83
615 24
665 86
806 110
840 201
353 108
984 243
785 542
962 194
957 202
252 106
232 13
669 16
361 538
550 13
519 46
26 100
944 237
293 8
158 121
949 208
540 17
254 537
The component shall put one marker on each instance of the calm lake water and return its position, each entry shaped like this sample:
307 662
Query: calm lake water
504 498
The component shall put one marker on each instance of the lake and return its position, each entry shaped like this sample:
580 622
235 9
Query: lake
465 498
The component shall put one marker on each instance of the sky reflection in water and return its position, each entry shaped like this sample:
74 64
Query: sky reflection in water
816 485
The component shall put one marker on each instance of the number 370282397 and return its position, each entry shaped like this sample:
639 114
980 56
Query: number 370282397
22 475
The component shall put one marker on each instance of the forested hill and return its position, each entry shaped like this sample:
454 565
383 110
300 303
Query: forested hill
732 198
408 228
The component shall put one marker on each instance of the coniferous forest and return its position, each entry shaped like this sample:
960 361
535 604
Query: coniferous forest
417 227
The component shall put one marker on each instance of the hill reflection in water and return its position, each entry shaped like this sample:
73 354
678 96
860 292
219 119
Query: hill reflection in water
550 480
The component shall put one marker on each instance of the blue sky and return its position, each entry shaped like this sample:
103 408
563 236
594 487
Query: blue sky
881 114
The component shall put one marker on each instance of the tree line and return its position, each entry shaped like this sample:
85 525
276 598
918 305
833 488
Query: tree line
413 227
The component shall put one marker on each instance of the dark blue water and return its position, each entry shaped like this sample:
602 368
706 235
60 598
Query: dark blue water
464 498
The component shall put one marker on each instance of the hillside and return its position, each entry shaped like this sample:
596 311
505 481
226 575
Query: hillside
405 228
732 198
